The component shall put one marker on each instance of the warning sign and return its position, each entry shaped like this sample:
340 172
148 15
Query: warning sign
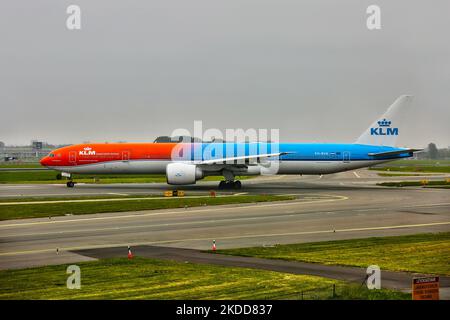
168 193
426 288
174 193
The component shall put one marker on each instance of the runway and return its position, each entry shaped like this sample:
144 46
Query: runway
264 184
339 206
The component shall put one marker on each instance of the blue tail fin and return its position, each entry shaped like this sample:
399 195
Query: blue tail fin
386 129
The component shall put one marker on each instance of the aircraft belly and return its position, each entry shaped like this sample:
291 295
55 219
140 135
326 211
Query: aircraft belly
159 167
119 167
321 167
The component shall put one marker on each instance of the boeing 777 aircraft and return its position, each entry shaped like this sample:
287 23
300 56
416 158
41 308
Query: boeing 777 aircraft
185 163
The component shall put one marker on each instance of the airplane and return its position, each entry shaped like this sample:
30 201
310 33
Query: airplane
185 163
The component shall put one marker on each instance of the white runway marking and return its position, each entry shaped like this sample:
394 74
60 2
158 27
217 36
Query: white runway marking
101 200
356 174
162 213
230 238
65 194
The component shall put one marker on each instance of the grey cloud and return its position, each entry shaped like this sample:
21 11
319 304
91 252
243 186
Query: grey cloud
139 69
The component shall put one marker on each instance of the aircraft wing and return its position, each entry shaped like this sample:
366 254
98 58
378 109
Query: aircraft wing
241 160
393 153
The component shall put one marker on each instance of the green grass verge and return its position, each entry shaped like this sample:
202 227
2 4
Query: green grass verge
402 174
58 209
13 165
423 253
415 183
49 176
439 169
141 278
438 187
83 197
412 162
420 166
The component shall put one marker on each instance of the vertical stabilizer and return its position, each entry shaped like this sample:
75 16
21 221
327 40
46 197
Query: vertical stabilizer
387 128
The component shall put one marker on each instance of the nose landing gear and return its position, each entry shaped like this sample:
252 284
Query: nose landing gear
70 183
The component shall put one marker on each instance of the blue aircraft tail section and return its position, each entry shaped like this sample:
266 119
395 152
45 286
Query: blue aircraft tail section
387 128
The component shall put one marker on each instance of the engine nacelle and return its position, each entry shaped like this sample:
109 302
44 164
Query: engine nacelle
183 173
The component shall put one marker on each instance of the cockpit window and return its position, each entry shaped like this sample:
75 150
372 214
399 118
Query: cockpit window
51 155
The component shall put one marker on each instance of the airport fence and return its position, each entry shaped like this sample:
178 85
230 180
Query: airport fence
333 291
328 292
319 293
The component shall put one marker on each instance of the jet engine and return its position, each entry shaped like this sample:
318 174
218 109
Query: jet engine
183 173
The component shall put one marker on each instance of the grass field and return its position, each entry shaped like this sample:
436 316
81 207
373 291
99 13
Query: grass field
49 176
20 164
412 162
424 169
423 253
419 166
428 183
406 174
439 187
141 278
20 211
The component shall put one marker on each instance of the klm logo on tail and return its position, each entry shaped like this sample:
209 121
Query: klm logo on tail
384 129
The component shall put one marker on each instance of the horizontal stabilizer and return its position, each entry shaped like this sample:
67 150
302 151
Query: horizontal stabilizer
393 153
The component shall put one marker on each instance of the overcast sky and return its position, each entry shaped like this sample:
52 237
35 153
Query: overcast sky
139 69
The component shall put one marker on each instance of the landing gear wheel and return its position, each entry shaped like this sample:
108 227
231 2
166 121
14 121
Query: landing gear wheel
230 184
70 184
225 184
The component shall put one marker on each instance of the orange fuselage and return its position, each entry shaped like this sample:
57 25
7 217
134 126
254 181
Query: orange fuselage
83 154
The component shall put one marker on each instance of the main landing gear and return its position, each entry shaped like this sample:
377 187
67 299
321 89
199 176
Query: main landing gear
230 184
70 184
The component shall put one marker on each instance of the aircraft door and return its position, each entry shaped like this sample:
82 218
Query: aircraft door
126 155
346 157
72 157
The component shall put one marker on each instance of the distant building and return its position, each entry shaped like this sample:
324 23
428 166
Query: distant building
31 153
166 139
37 145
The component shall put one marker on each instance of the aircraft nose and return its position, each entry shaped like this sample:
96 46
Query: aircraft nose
44 161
